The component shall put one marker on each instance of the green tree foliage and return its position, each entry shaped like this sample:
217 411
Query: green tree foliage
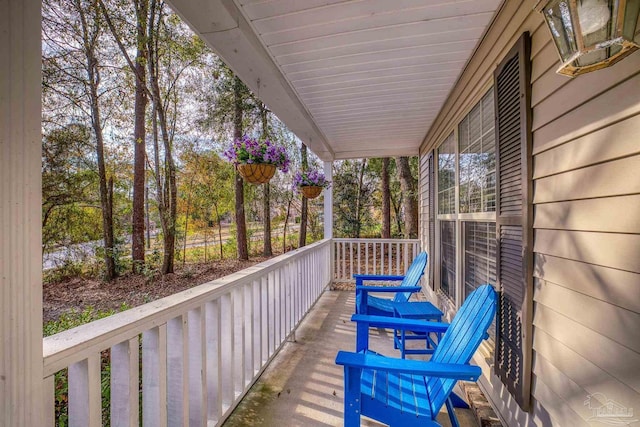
206 194
69 187
354 184
193 100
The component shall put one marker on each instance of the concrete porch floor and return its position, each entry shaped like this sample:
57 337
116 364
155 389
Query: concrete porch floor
303 386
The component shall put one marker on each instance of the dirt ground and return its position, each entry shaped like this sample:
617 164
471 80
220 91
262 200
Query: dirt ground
78 293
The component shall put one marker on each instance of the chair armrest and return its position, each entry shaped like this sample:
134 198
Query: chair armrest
414 325
388 288
362 277
416 367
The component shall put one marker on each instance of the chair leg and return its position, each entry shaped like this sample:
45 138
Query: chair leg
452 414
352 396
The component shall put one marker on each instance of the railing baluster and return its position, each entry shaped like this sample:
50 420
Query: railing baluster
350 259
272 312
213 365
405 264
366 256
296 289
279 306
226 368
85 399
48 388
124 383
344 260
238 341
389 256
255 314
287 290
334 260
302 273
177 391
308 282
247 319
264 320
197 369
398 253
154 377
374 258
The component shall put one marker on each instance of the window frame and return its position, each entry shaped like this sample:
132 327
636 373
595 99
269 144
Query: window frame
458 218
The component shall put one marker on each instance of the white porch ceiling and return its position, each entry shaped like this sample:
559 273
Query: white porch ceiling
352 78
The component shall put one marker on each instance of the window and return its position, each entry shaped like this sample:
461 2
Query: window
467 203
448 258
479 258
447 176
477 158
483 224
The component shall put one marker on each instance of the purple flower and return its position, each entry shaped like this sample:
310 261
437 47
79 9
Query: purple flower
314 178
250 150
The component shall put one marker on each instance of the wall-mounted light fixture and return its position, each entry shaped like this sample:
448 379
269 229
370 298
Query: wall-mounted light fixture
591 34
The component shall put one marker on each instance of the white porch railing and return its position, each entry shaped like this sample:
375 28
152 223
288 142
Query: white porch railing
372 256
201 349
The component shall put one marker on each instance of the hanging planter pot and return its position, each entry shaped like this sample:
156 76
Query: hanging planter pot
255 160
311 191
310 183
256 173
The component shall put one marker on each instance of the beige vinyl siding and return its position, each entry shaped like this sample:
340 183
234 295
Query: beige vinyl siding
591 148
621 286
586 214
586 145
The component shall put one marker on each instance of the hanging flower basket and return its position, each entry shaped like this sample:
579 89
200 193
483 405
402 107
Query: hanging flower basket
256 173
310 183
257 161
311 191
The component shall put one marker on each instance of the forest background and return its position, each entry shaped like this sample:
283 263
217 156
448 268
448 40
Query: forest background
136 113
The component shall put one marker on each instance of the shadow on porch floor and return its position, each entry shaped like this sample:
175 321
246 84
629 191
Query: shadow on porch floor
303 386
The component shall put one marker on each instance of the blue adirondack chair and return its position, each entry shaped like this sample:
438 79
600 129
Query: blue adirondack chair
401 392
366 304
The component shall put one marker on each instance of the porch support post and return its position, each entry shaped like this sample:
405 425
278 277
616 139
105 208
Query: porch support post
328 202
21 382
328 218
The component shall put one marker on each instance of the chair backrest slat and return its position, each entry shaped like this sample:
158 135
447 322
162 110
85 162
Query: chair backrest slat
462 339
412 276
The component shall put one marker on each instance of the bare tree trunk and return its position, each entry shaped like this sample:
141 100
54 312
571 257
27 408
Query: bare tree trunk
286 222
395 204
90 38
168 191
241 224
139 130
267 249
139 136
147 223
359 203
304 210
215 206
408 185
205 243
386 200
186 222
